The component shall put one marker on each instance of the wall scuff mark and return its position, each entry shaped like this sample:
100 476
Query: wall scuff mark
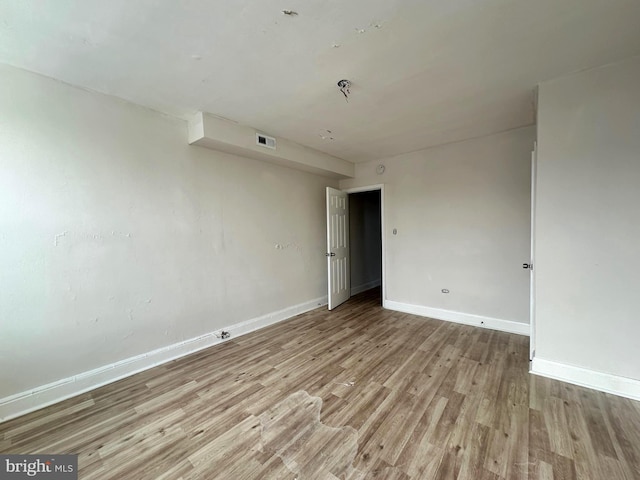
57 236
280 246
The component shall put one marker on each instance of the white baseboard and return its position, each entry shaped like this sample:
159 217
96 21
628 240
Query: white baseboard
459 317
45 395
605 382
365 286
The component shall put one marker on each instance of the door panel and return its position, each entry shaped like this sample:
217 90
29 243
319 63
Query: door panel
339 280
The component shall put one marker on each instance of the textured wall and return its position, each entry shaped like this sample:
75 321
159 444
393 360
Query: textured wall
117 238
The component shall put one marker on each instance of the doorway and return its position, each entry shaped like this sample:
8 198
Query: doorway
365 241
363 237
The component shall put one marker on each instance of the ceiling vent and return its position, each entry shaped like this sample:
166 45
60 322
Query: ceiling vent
265 141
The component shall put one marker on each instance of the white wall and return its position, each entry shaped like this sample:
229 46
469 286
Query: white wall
462 214
365 252
117 238
588 221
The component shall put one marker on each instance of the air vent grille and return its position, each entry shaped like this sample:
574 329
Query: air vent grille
265 141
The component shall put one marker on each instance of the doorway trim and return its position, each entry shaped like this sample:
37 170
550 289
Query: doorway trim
373 188
532 261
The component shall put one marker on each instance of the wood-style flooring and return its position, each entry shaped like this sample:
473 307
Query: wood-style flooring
356 393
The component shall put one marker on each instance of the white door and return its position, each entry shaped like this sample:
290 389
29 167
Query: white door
532 280
339 278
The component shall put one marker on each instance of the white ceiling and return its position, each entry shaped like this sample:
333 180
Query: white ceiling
424 72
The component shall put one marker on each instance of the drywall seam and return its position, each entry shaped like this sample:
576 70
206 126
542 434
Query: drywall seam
44 395
460 317
604 382
365 286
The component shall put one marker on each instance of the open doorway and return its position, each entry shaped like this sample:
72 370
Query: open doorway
365 242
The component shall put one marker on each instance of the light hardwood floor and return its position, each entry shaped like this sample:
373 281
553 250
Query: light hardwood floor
357 393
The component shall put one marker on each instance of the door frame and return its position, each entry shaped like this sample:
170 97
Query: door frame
532 274
373 188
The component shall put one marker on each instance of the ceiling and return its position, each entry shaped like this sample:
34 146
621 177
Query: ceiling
423 72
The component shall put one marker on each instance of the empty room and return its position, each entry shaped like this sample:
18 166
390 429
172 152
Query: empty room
315 240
